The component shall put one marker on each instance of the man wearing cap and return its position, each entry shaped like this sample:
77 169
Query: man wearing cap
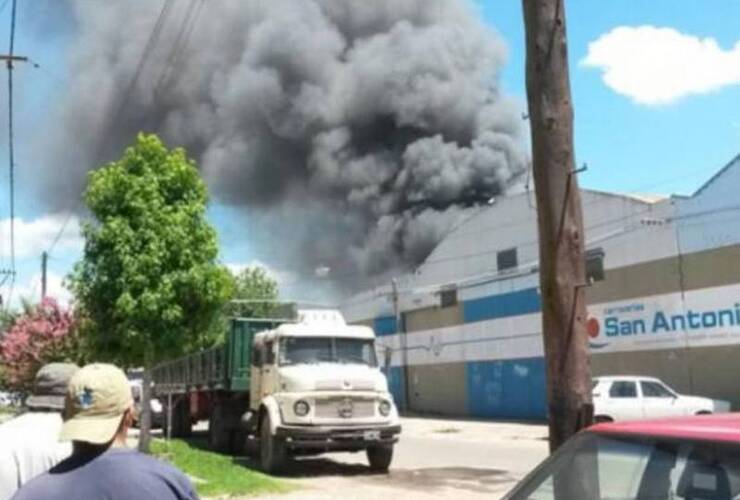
99 410
29 444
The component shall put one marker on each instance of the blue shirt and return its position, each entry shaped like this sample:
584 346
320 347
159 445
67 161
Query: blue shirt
116 474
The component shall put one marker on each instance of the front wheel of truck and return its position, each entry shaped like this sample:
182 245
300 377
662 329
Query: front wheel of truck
272 448
380 457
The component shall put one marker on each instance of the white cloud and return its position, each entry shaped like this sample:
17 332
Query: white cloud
35 236
32 290
655 66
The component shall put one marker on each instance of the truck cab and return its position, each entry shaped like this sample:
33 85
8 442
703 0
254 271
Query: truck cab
315 386
302 383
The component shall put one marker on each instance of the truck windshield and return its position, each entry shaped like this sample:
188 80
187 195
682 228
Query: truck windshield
298 350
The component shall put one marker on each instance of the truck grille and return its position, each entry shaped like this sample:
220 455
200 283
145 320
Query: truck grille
346 385
345 408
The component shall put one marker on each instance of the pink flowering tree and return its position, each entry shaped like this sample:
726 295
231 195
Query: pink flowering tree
42 334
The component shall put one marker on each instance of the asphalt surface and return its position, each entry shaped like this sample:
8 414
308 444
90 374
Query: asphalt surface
435 458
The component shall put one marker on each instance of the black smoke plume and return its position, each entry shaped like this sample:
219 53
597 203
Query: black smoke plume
356 131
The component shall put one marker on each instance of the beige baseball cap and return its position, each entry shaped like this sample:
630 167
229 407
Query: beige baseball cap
97 397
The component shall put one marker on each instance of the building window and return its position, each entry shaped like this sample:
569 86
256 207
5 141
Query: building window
448 298
595 265
507 259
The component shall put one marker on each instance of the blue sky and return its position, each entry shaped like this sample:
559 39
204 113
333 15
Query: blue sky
628 146
639 130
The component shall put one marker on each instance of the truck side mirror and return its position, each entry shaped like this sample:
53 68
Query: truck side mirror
388 357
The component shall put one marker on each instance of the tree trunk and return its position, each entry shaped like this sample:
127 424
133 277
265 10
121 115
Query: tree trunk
145 419
560 221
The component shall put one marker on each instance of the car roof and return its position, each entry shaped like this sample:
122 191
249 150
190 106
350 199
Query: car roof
720 427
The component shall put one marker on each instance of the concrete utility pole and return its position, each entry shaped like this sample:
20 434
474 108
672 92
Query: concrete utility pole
44 262
560 221
400 331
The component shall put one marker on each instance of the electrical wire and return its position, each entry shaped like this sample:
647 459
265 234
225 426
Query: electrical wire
483 278
634 221
598 200
148 48
180 45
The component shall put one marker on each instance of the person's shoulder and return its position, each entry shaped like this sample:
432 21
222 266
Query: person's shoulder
139 459
43 423
41 486
153 466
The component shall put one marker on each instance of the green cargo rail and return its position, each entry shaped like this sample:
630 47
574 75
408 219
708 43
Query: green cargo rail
223 367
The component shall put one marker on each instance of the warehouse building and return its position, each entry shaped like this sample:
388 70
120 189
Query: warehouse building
462 334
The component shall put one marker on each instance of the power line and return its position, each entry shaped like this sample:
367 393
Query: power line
487 277
148 48
180 45
598 199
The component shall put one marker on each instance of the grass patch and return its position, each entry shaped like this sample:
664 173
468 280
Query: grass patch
8 412
215 474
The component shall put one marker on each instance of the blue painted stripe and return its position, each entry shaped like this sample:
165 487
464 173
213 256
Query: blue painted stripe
396 386
507 389
385 325
502 306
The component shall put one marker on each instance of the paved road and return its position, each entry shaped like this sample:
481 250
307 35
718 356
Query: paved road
435 459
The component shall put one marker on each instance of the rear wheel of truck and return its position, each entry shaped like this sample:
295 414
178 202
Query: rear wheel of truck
181 425
219 438
183 414
272 448
380 457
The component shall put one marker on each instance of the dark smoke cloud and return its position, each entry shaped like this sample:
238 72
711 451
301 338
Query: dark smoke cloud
371 123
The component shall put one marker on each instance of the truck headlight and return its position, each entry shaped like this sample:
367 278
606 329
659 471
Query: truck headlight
385 408
301 408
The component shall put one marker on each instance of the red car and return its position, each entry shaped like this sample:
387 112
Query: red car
690 458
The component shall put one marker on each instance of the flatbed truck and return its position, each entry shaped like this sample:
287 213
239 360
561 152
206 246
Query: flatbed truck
304 384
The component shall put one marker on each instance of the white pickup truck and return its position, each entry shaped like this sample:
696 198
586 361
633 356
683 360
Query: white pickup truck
634 397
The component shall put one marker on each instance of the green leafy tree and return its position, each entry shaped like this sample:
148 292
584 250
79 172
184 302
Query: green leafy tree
259 293
148 281
257 289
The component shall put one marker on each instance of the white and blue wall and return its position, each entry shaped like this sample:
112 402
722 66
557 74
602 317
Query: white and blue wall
478 352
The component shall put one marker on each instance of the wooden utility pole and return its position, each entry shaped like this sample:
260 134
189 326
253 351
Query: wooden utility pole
10 59
560 221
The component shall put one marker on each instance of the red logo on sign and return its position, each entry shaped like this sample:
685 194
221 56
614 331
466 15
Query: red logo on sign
593 327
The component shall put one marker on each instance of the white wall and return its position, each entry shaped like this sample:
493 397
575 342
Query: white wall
711 218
